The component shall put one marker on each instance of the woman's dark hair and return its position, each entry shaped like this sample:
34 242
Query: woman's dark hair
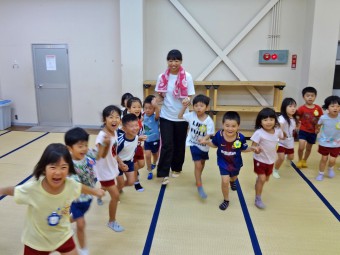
174 55
108 110
125 96
264 114
75 135
201 99
148 100
331 100
287 101
52 154
231 115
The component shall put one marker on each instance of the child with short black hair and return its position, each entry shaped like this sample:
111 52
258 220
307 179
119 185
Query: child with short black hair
308 115
127 144
134 106
151 130
84 159
266 137
200 126
329 138
47 225
229 143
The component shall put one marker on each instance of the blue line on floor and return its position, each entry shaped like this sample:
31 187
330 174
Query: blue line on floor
149 238
317 192
251 230
22 182
23 145
5 132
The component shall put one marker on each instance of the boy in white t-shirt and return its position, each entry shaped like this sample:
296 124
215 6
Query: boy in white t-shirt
200 126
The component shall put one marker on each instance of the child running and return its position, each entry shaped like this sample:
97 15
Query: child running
266 137
329 139
200 126
308 115
76 140
151 130
47 225
127 144
134 106
229 143
106 167
287 121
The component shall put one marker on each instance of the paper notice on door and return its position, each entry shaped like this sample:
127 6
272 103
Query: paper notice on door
51 64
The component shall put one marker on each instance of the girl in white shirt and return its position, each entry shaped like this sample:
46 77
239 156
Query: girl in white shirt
266 136
287 121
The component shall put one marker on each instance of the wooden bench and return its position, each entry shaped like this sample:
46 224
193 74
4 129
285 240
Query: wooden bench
251 86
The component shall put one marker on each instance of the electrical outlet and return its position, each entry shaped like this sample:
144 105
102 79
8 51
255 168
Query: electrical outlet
16 116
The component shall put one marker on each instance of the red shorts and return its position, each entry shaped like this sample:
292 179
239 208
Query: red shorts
284 150
139 154
107 183
263 168
68 246
325 151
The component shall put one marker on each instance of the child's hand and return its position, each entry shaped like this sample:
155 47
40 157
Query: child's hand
100 193
201 140
107 140
123 167
142 137
154 102
257 149
186 102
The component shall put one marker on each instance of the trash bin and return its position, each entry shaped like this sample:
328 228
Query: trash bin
5 114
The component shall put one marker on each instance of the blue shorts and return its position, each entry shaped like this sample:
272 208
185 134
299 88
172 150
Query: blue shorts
78 209
309 137
198 154
130 165
233 173
151 146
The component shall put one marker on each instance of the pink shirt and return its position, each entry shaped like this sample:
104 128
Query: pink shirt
267 143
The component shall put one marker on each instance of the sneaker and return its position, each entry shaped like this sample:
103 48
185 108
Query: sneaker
319 177
100 201
224 205
276 174
299 164
153 166
83 251
165 181
259 204
304 164
139 187
201 192
331 173
150 175
115 226
175 174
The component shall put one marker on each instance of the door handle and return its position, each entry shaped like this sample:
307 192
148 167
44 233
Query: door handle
40 85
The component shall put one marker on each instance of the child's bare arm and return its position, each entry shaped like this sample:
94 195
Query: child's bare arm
92 191
157 108
7 191
181 112
206 140
121 165
317 128
256 148
103 148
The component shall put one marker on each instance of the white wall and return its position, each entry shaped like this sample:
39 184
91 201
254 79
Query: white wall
91 30
113 45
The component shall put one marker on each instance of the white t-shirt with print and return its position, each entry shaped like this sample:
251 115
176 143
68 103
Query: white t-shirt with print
288 142
198 129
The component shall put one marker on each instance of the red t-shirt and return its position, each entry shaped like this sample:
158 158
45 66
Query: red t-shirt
309 117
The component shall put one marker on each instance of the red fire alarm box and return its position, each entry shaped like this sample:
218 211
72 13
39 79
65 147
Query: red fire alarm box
294 59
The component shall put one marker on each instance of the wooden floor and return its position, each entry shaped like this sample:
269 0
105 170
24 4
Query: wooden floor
302 215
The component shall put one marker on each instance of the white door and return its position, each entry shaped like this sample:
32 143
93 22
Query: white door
52 84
